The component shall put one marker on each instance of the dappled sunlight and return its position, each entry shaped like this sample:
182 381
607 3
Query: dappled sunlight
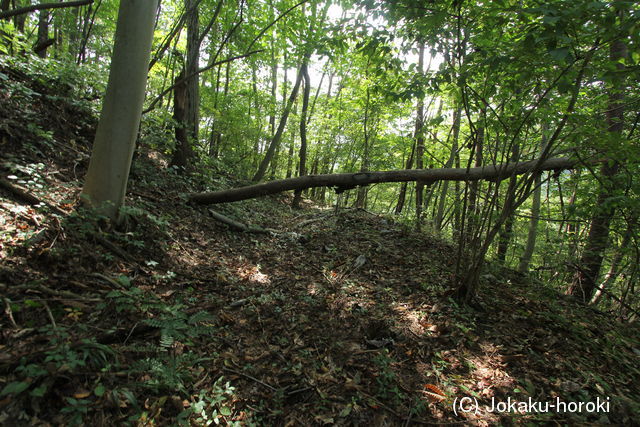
253 274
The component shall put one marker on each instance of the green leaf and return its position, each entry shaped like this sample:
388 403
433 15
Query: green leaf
99 390
15 387
225 411
39 391
559 54
564 85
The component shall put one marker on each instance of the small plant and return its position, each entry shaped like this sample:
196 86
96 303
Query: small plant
211 406
34 381
387 382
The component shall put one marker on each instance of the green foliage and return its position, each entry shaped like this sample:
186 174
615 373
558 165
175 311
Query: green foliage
36 380
387 385
211 406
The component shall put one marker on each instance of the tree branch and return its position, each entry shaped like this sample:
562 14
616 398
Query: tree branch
43 6
201 70
264 30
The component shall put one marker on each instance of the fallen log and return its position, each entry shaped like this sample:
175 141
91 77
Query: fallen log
346 181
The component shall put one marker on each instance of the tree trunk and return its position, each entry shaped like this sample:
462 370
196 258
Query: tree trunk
403 187
473 211
292 146
275 141
532 234
302 170
361 196
452 157
419 137
193 82
504 237
274 89
612 274
106 181
214 141
187 128
276 156
43 42
584 280
183 149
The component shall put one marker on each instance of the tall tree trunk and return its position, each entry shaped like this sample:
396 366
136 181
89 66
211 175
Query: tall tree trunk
532 234
473 209
292 145
361 197
20 20
214 142
403 187
274 89
183 150
504 237
612 274
275 141
106 181
302 171
276 155
573 228
419 137
43 42
444 188
584 280
506 232
192 66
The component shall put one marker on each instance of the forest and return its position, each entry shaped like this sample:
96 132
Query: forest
319 212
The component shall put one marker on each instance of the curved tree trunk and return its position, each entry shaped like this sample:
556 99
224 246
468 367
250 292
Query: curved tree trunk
275 141
302 167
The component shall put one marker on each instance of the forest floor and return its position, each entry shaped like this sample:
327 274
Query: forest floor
332 317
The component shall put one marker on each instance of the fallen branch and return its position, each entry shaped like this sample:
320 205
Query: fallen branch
25 196
111 281
44 289
346 181
43 6
113 248
233 371
235 225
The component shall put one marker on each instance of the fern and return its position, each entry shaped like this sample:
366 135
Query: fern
201 316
